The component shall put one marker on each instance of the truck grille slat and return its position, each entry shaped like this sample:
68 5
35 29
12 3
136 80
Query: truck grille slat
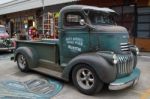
128 69
125 46
125 64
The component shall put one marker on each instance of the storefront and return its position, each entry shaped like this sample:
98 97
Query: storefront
134 15
20 16
136 18
19 22
41 14
47 24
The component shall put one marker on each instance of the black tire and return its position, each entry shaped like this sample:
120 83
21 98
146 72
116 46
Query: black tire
86 80
22 62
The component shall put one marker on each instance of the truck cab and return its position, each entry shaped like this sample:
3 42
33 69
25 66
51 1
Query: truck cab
91 50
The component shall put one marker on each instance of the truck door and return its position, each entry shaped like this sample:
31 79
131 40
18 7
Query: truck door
74 38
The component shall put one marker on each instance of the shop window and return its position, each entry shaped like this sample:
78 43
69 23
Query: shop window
144 18
143 34
126 18
144 26
73 19
143 30
144 10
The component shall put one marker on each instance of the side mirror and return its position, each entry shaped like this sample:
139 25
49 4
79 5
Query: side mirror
82 22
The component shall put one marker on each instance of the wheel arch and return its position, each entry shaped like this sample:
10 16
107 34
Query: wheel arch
30 54
105 71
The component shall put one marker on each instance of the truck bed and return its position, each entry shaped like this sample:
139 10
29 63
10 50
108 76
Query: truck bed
43 41
46 49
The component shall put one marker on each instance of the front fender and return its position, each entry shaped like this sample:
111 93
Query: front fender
105 71
29 53
135 52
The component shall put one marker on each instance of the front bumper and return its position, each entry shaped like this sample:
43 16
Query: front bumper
125 82
7 49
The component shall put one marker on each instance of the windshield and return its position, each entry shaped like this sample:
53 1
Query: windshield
2 30
101 18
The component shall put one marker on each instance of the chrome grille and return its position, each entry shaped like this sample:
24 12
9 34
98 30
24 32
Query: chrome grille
125 64
125 46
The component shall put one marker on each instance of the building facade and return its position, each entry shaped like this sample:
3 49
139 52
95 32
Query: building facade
20 15
134 15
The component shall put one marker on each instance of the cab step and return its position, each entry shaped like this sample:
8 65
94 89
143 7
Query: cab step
48 72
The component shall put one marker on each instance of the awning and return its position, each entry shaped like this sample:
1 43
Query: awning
21 5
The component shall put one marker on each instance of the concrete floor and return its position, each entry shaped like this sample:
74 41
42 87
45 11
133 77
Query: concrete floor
9 70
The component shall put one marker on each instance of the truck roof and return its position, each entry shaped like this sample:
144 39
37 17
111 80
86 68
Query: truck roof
82 7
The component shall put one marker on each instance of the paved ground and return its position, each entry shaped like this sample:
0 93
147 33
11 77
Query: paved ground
9 71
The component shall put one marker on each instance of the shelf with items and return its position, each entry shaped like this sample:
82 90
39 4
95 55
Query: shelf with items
47 25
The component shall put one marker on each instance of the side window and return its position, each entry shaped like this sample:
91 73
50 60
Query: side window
73 19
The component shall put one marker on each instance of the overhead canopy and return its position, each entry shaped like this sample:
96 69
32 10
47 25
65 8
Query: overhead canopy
21 5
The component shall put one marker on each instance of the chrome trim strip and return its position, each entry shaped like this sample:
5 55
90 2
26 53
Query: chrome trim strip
125 64
124 43
124 46
125 49
119 86
5 49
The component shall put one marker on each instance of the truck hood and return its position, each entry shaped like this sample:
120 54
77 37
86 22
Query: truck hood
110 28
109 38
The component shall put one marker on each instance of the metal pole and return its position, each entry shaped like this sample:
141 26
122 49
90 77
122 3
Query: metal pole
43 18
135 22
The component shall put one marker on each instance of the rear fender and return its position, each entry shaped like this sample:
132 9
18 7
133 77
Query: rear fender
30 54
105 71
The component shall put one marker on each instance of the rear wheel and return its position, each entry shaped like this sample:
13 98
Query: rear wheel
86 79
22 63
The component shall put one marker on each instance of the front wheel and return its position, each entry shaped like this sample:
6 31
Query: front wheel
86 79
22 63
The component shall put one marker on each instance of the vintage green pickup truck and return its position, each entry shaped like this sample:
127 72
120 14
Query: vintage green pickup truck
92 50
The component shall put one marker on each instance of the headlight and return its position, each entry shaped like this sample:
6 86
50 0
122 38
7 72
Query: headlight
111 57
137 50
115 60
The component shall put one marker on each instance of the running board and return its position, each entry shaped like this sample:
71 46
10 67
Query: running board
48 72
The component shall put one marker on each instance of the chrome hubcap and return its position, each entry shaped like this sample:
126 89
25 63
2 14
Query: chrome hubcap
85 78
21 61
